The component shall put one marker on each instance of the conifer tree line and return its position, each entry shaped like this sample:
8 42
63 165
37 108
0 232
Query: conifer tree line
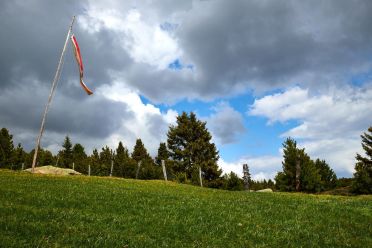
188 148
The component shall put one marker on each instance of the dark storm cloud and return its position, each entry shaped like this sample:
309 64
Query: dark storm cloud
263 45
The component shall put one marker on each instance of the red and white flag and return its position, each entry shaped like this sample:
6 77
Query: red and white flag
80 64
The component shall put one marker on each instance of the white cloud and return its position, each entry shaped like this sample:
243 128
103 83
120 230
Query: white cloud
226 124
145 42
330 123
147 122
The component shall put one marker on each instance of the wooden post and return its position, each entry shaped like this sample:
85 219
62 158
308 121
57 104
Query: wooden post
138 169
89 170
51 94
298 173
164 170
57 161
73 165
200 177
246 176
112 167
23 166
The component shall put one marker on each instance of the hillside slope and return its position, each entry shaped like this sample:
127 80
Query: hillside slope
81 211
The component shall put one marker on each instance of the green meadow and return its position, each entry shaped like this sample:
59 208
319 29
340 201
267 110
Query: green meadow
82 211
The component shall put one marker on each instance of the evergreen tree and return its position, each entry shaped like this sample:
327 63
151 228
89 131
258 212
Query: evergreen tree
233 182
45 157
105 158
310 180
19 157
65 155
363 168
148 170
163 154
6 148
189 142
79 158
124 166
327 175
94 163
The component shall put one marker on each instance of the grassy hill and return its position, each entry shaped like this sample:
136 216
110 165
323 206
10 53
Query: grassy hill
81 211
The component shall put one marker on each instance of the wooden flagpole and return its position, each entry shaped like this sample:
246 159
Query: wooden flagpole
54 84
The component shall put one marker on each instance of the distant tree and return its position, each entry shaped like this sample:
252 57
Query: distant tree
94 162
327 175
163 154
65 155
45 157
124 165
190 146
233 182
6 148
363 168
310 180
79 158
19 157
148 170
105 157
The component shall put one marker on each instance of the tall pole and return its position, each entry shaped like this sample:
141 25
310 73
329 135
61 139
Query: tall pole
54 84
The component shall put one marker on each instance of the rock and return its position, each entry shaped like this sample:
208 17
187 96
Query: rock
265 190
52 170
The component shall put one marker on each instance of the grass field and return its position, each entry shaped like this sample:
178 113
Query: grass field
81 211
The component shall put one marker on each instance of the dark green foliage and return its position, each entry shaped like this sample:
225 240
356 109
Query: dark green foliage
105 157
163 154
6 148
19 157
310 179
263 184
363 168
124 166
327 175
65 155
233 182
79 158
45 157
189 143
147 170
94 162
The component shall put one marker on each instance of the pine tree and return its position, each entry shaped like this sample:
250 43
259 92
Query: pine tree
310 180
189 142
19 157
94 163
163 154
363 168
65 155
148 170
6 148
124 166
79 158
233 182
327 175
105 158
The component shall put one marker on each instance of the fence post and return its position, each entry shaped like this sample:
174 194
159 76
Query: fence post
164 170
298 173
138 168
23 166
112 167
73 165
89 170
200 177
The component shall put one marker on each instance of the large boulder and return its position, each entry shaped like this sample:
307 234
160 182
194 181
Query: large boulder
265 190
52 170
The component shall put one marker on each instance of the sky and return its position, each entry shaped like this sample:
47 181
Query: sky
256 71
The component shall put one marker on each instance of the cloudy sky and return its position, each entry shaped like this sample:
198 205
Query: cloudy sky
257 71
